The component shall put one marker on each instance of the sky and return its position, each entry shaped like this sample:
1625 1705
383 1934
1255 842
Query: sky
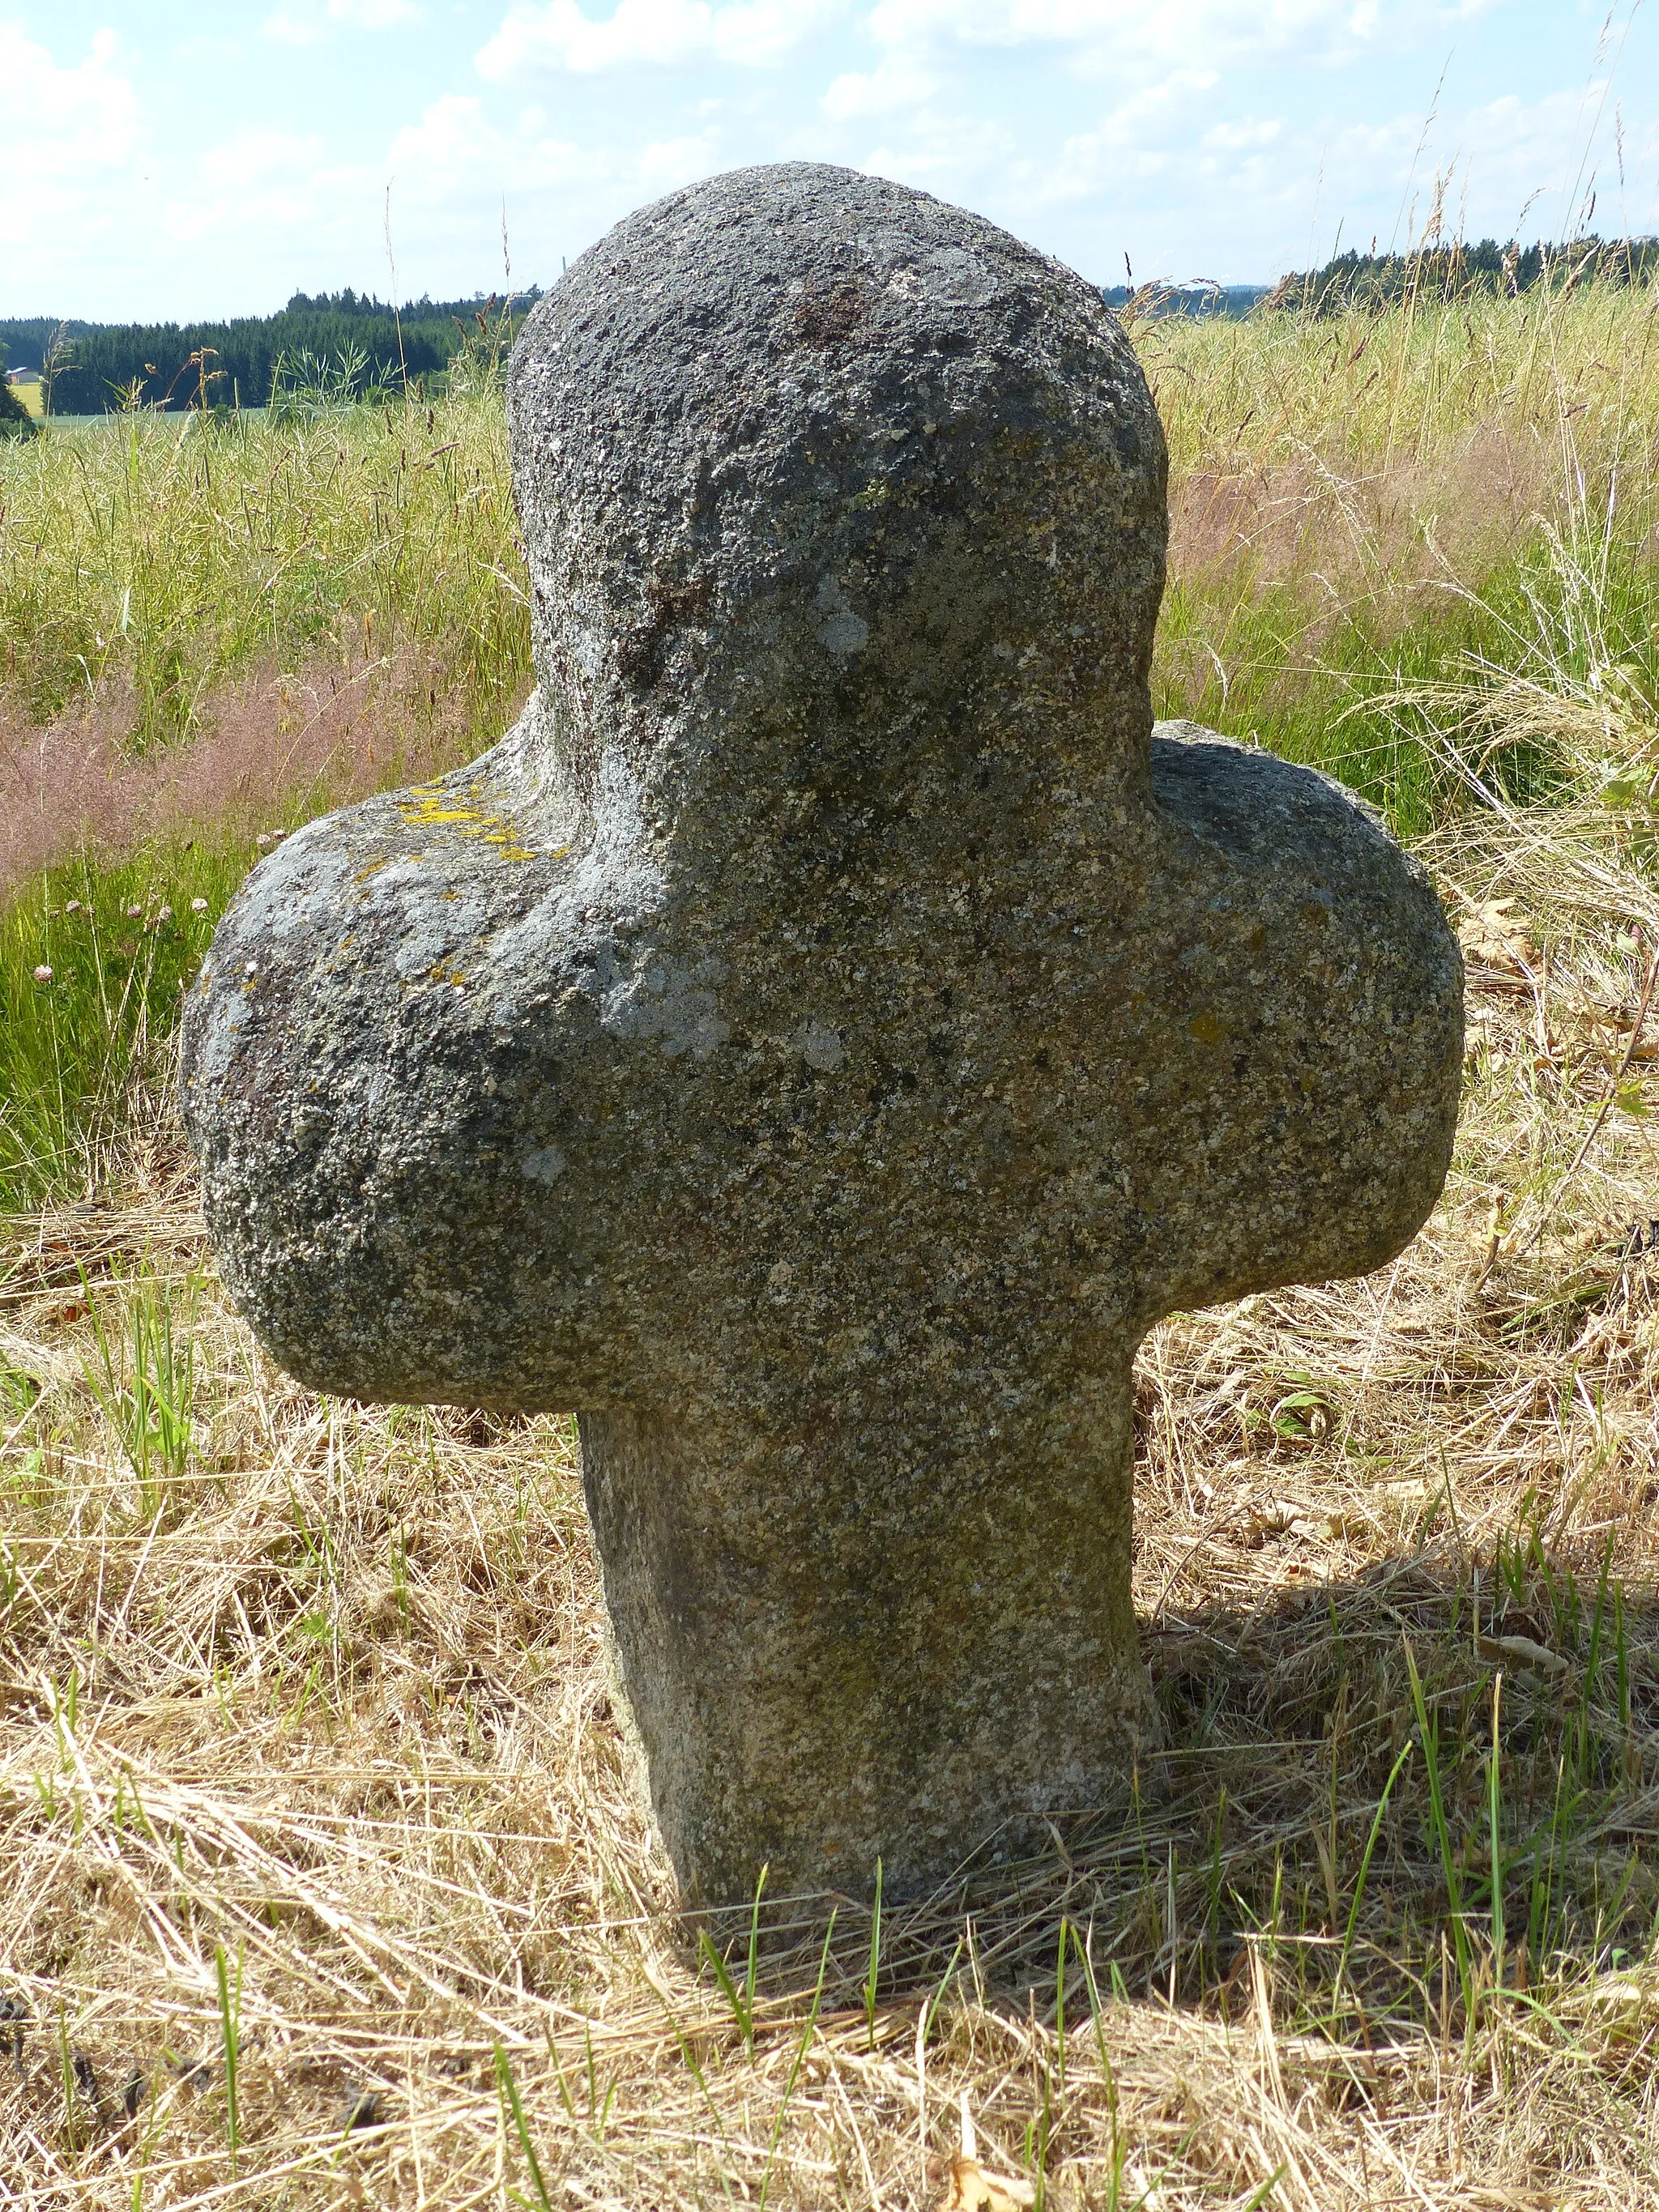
159 169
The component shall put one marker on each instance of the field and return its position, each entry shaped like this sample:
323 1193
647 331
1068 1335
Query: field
320 1883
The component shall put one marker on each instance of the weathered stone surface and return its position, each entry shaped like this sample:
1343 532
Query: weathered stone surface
822 1037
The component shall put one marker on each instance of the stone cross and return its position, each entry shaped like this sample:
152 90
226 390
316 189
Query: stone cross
831 1027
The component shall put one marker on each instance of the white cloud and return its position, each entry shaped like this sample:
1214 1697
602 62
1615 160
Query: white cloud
455 154
57 124
1157 112
455 167
666 165
1162 58
1247 130
312 23
258 157
896 82
373 15
1169 30
661 33
954 156
1139 139
455 151
1512 156
201 50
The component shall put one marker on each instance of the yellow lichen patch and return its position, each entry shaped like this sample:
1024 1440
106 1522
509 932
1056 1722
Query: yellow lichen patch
507 845
430 807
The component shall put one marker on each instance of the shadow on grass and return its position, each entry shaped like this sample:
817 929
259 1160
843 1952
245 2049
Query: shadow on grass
1326 1802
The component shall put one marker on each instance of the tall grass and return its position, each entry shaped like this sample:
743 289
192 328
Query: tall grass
1396 388
162 555
1373 502
92 970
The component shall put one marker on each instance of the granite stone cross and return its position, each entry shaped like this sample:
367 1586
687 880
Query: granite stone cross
822 1037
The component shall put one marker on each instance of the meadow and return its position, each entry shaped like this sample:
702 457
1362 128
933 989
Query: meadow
320 1880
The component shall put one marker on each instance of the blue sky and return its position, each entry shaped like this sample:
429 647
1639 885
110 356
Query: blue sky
161 169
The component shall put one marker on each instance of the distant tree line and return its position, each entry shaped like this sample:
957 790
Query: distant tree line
1455 271
93 368
15 421
1232 300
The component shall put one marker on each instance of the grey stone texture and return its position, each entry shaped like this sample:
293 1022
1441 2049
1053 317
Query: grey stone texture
832 1026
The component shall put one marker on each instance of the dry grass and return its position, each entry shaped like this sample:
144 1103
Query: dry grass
307 1756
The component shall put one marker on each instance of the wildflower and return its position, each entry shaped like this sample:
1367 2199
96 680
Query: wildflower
74 907
198 906
43 974
133 913
163 914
